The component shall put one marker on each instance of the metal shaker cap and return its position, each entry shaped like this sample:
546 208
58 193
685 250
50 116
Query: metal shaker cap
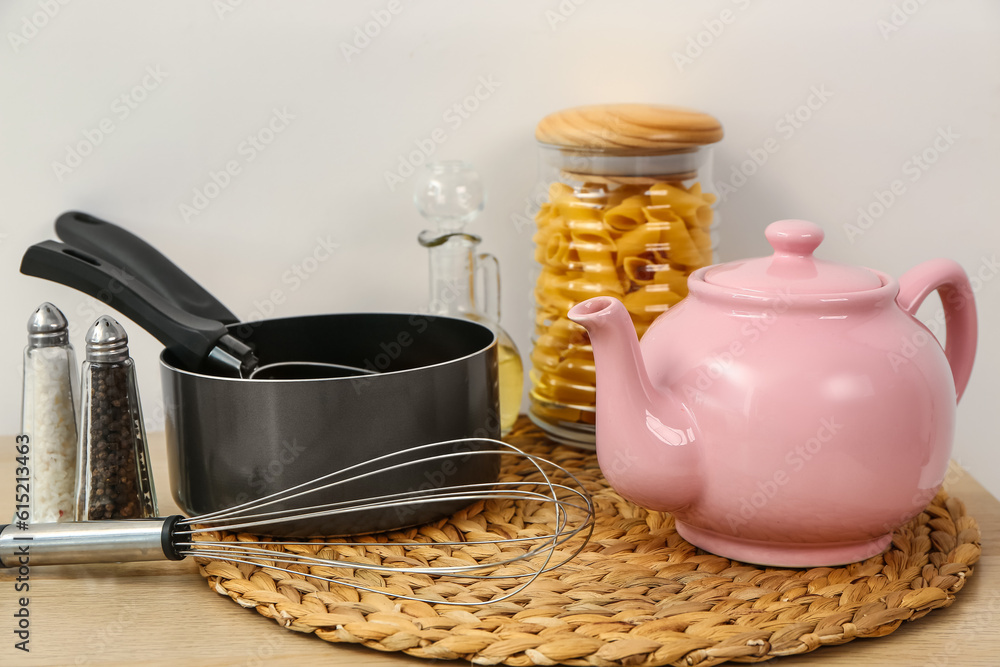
107 341
47 327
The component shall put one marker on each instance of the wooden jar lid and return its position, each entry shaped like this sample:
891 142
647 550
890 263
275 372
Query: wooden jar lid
628 128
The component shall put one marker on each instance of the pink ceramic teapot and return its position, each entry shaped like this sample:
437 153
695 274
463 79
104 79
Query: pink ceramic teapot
790 411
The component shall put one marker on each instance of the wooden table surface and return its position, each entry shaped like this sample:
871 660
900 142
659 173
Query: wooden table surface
163 613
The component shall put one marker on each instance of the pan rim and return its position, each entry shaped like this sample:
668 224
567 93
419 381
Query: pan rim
165 365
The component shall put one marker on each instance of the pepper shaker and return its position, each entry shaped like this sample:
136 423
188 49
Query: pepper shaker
114 480
48 416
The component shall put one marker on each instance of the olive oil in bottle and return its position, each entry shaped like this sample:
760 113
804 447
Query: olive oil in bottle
450 194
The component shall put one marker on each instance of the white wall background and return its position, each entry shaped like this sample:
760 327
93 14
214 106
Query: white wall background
898 73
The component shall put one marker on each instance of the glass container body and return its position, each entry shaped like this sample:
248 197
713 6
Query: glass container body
454 269
114 480
48 418
629 226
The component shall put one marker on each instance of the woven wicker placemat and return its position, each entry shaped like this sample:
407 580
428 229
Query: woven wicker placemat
636 595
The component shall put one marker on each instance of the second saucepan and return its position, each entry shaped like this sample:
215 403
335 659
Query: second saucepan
231 440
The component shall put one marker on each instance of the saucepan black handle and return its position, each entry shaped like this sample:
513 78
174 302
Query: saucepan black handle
190 337
124 250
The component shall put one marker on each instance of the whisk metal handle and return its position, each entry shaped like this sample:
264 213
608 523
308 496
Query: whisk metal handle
88 542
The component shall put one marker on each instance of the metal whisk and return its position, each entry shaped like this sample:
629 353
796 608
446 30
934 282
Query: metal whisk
176 537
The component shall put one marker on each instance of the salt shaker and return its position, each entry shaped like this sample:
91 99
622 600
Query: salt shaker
48 416
114 480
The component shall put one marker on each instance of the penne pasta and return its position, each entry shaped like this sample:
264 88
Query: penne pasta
553 300
545 215
632 241
594 246
555 413
639 270
642 239
568 330
626 216
670 194
678 244
559 190
594 284
560 389
556 252
545 357
650 300
544 317
574 209
674 280
577 370
708 197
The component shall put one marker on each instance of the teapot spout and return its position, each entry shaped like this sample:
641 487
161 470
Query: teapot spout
647 439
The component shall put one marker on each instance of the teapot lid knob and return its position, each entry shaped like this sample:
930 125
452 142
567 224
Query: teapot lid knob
792 268
798 238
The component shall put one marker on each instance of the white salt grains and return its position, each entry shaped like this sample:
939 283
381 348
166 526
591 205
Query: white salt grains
48 417
51 427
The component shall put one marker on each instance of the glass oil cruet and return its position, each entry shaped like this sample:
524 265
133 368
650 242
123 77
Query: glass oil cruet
450 195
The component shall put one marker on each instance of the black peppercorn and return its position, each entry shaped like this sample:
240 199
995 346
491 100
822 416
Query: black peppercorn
115 480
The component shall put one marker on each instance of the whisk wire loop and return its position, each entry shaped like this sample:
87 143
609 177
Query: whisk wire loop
539 552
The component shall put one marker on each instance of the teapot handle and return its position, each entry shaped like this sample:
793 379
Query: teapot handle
961 328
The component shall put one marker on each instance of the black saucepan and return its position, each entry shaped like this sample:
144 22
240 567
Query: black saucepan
230 439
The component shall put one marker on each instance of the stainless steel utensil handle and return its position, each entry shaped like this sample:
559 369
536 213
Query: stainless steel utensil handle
88 542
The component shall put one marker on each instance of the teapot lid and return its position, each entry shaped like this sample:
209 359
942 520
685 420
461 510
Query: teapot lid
792 268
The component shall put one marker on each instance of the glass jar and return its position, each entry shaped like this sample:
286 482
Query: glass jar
629 214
